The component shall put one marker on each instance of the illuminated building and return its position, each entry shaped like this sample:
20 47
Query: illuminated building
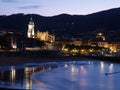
42 36
100 35
12 40
30 32
13 43
103 44
45 36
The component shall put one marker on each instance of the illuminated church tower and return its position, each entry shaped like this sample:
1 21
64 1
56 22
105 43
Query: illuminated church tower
31 33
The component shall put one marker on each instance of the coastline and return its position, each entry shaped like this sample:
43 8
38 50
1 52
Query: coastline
105 58
15 60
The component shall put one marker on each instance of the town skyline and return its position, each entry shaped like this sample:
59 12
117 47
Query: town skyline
66 24
60 44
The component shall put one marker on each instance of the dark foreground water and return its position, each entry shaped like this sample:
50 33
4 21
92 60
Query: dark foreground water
73 75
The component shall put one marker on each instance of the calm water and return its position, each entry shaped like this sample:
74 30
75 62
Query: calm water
73 75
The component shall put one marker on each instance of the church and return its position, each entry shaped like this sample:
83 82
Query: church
31 33
42 36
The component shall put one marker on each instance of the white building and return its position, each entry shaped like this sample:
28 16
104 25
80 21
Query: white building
31 33
43 36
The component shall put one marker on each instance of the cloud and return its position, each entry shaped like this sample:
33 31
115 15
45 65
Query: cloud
30 7
8 1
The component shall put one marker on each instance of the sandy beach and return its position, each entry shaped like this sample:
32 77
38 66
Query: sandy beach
14 60
21 59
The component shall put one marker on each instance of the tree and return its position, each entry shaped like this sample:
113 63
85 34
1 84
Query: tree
3 43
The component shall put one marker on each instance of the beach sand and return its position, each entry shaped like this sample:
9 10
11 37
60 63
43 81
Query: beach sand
14 60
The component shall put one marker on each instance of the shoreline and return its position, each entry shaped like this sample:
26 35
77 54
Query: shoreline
21 57
15 60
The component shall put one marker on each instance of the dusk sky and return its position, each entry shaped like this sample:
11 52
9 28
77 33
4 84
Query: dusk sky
55 7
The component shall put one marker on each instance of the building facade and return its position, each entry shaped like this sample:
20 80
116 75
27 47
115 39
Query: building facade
45 36
31 33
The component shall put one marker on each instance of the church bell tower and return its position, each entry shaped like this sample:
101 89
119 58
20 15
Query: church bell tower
31 33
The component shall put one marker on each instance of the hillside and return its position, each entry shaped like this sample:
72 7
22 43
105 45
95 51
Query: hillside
65 24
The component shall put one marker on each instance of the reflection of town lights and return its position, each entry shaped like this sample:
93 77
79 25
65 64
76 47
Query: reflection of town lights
29 70
111 67
81 67
28 83
33 69
89 62
83 70
73 69
26 69
12 74
28 77
43 68
65 65
102 67
102 64
49 68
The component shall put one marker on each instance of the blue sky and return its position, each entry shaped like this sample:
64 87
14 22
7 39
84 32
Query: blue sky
55 7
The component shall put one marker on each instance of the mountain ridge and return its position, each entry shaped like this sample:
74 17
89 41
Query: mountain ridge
64 24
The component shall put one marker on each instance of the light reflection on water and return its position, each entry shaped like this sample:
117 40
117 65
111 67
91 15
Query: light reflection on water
73 75
22 76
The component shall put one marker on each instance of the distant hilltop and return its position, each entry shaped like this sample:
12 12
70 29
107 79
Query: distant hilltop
64 24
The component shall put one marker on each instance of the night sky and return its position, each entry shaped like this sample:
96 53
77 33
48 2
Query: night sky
55 7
